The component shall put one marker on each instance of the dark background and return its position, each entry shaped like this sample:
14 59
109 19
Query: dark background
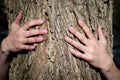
3 21
116 32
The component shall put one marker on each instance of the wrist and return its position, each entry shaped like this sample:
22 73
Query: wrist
108 65
111 72
4 48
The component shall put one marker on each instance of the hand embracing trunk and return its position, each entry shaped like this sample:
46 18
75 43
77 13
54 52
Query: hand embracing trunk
51 60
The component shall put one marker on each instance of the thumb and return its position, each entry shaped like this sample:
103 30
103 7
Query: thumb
18 18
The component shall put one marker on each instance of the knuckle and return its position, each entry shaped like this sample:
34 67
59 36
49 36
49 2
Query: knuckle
81 37
37 32
35 39
24 47
75 32
28 40
31 40
26 34
78 46
34 32
28 24
27 47
71 41
87 31
91 59
20 47
31 32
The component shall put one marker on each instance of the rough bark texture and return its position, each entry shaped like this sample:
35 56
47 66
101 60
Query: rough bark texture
51 59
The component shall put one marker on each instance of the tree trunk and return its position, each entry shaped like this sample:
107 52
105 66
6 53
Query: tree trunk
51 59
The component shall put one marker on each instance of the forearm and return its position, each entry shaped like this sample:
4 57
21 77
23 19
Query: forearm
111 73
4 64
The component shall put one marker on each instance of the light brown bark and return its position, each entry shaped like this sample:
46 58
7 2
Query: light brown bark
51 59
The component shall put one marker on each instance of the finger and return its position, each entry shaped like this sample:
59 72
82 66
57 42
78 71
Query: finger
78 35
35 32
18 18
77 54
81 55
86 29
75 44
33 40
32 23
101 35
27 47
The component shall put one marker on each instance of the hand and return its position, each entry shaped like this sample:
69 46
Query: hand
20 36
94 51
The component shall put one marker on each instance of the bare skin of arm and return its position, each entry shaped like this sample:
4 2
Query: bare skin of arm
94 50
18 39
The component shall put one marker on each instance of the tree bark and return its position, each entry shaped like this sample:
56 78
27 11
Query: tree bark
51 59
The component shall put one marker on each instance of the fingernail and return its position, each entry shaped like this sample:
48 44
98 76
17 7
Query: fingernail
70 28
80 21
21 11
66 38
45 31
41 38
33 47
41 21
